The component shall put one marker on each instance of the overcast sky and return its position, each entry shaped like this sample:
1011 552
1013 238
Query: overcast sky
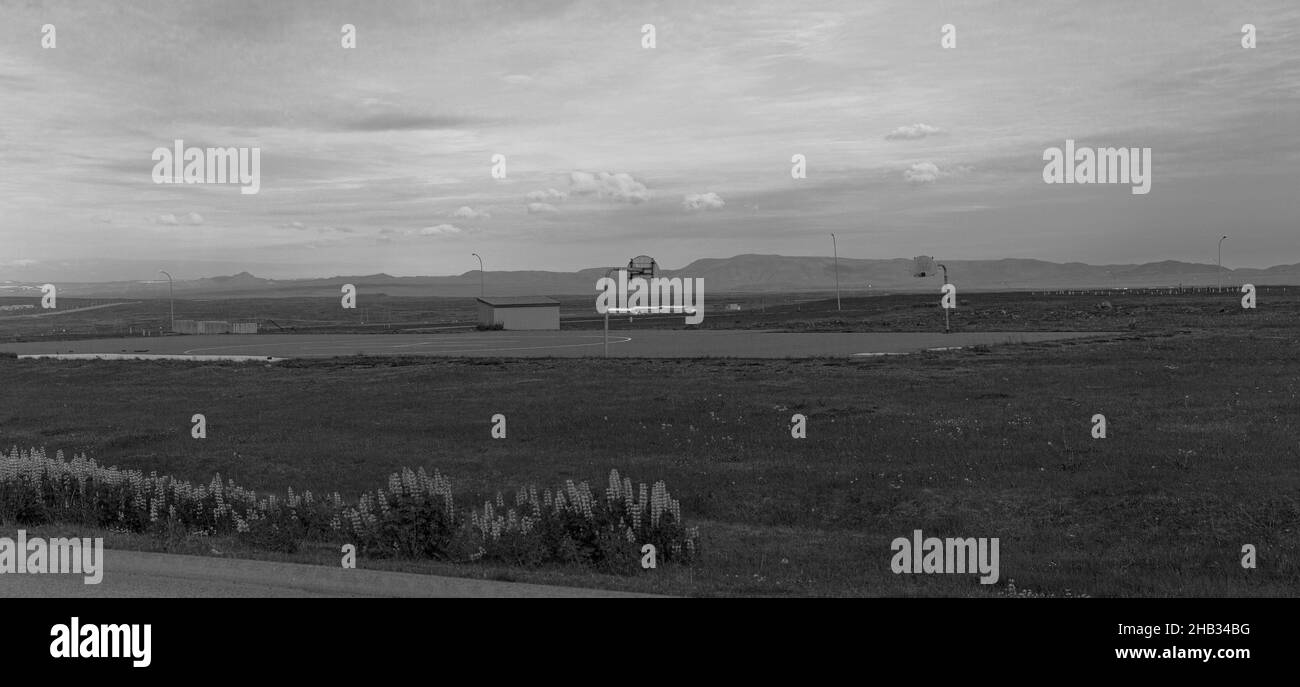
378 159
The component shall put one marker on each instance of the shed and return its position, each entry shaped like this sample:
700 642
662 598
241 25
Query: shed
519 312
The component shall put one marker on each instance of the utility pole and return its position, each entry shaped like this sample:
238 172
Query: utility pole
480 274
836 251
171 304
1219 272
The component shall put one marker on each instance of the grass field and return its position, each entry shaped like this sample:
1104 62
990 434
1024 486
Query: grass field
909 312
1202 455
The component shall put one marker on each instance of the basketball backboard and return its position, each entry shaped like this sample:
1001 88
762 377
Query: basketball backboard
642 266
922 266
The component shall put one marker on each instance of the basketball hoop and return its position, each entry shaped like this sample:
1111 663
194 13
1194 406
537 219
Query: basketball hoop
642 266
922 266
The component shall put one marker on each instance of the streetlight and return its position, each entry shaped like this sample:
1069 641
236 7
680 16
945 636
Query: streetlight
836 250
480 274
1219 272
170 303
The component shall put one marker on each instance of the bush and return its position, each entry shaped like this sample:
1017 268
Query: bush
415 517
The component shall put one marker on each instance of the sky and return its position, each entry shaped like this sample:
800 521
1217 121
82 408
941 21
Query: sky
379 158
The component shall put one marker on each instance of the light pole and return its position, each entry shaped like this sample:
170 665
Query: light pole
1218 274
171 305
480 274
836 251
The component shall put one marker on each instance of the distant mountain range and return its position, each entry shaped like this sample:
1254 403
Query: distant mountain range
742 273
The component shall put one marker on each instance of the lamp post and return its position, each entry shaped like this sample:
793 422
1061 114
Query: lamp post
835 249
1218 274
171 305
480 274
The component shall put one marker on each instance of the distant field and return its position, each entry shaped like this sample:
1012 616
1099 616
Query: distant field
1279 306
1202 455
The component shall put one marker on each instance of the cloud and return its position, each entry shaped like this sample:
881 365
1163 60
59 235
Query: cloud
542 209
171 220
516 78
620 187
400 121
387 235
702 201
467 212
928 172
913 132
320 230
549 194
439 230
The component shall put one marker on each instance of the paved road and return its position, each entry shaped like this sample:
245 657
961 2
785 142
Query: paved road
638 344
156 575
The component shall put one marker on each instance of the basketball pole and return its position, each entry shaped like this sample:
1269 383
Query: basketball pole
946 329
607 315
835 249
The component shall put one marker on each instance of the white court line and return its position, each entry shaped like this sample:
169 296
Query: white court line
946 348
138 356
446 343
355 344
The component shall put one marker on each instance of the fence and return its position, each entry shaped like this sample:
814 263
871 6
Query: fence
1143 291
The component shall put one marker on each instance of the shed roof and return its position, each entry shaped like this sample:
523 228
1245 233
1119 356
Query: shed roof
518 301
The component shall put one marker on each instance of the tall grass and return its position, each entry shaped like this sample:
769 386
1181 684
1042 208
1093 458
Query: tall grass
416 516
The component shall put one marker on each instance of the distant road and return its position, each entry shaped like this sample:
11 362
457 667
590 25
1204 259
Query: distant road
155 575
653 343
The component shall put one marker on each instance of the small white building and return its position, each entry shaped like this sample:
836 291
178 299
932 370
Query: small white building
519 312
213 327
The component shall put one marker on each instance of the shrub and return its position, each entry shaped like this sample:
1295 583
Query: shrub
414 517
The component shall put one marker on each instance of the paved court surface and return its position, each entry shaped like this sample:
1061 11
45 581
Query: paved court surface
628 344
157 575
